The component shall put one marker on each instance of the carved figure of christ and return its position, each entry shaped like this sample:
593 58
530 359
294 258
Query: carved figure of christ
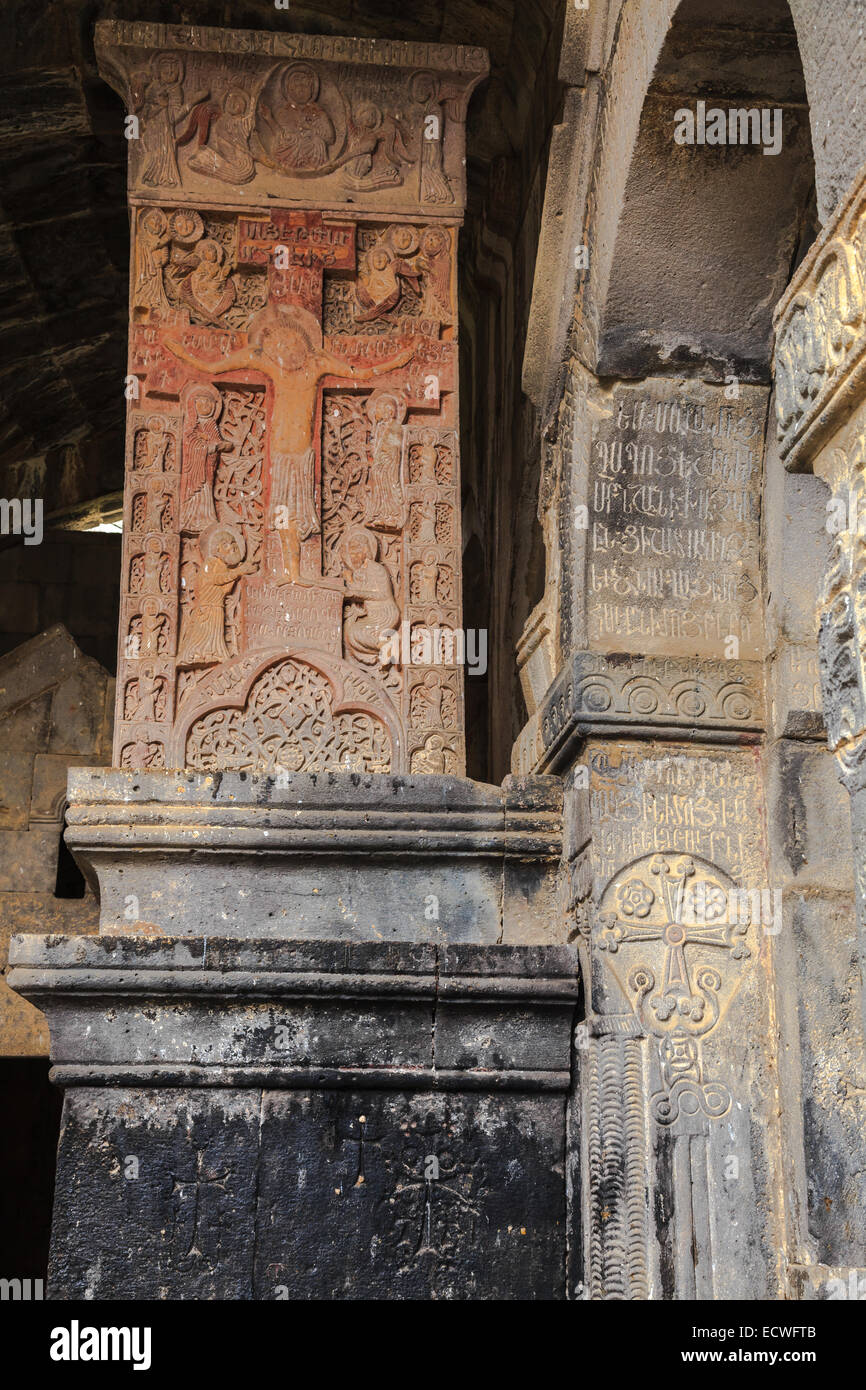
283 354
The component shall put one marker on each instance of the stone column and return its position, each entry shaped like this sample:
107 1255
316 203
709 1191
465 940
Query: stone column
820 363
647 694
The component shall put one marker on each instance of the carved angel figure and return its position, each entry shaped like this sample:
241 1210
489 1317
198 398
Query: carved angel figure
226 155
380 286
377 148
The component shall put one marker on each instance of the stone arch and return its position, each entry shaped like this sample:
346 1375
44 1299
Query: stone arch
693 244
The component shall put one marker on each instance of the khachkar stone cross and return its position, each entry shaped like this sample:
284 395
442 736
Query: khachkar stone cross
668 915
291 576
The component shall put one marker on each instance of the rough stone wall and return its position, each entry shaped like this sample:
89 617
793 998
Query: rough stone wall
71 578
56 707
832 38
608 62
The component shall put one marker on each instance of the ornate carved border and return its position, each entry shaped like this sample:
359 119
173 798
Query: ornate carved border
663 692
820 353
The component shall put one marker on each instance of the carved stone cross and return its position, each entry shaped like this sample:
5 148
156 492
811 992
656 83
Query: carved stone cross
292 546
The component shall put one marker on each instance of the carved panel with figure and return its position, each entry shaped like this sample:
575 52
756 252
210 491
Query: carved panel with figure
293 475
329 121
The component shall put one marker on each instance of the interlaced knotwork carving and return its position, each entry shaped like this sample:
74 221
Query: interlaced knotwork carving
289 723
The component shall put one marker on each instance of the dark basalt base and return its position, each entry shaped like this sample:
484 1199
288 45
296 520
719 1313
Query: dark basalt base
270 1120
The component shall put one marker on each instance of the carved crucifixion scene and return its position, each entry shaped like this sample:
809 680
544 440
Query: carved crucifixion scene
292 568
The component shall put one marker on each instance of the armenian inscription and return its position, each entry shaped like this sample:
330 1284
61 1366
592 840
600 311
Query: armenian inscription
673 519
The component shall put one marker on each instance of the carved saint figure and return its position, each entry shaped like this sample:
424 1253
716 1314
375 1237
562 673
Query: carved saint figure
153 626
424 577
301 131
435 756
384 505
226 155
372 610
425 91
143 701
425 709
151 257
423 521
155 445
281 351
435 260
141 754
425 458
155 505
162 107
152 566
203 626
202 442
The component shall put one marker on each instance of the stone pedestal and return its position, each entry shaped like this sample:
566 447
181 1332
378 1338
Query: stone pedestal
262 1119
338 855
299 1060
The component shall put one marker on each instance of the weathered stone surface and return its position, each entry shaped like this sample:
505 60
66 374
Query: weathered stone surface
724 700
333 1167
673 516
361 857
291 576
55 712
668 664
680 965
